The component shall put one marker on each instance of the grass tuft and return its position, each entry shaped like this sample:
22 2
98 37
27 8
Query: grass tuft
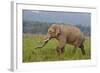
48 52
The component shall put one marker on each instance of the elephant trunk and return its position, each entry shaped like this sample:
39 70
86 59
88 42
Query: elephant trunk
47 38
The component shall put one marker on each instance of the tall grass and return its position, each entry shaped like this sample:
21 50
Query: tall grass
48 52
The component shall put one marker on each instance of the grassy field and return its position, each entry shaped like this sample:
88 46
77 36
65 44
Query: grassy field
48 53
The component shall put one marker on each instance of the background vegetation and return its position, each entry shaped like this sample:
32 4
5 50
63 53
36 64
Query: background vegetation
33 34
36 27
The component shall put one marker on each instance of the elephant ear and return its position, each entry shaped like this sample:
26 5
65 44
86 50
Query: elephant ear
58 30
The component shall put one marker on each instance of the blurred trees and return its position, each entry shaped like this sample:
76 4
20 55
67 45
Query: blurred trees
36 27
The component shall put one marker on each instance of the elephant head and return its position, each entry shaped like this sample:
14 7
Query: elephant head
53 32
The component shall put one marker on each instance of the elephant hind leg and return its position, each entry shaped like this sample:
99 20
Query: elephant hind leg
82 49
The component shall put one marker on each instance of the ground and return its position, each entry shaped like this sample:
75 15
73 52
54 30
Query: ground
48 53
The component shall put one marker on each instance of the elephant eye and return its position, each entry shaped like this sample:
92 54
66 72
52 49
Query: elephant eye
51 31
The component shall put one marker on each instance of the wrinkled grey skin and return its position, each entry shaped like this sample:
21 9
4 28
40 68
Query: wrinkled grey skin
65 34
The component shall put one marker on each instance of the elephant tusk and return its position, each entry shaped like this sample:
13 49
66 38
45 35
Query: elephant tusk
46 40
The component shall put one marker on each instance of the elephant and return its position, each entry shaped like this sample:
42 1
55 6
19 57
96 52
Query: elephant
65 34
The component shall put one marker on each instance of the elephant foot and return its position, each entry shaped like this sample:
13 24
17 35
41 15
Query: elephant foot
82 49
60 50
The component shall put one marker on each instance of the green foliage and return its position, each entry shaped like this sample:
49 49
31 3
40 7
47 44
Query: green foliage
36 27
48 53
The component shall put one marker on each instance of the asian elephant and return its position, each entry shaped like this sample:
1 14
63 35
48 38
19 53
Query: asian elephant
65 34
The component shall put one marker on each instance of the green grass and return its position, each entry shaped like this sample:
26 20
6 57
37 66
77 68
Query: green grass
48 53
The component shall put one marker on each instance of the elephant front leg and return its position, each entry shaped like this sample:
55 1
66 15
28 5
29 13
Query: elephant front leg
58 50
60 47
